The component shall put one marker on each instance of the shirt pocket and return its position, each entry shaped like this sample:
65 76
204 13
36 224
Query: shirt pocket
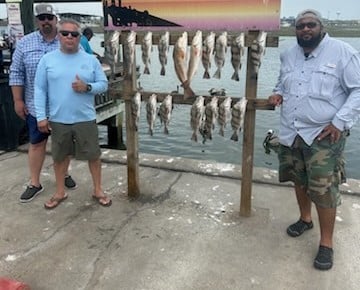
324 82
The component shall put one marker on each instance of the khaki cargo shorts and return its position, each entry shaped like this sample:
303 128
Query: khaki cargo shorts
319 168
79 140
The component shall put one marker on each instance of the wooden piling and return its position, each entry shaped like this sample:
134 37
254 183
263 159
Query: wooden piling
132 136
248 137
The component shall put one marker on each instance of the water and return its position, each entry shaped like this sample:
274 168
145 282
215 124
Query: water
222 149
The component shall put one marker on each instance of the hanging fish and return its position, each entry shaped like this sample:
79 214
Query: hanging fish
211 114
151 112
237 118
146 49
165 112
197 114
180 63
237 51
258 50
195 55
224 114
207 52
163 51
129 53
135 109
220 53
112 51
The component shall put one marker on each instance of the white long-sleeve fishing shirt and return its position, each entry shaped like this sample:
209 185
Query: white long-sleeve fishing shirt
317 90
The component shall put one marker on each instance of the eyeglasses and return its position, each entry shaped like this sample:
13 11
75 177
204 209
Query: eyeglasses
66 33
310 25
49 17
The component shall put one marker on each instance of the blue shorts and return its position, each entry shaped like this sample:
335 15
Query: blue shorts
35 136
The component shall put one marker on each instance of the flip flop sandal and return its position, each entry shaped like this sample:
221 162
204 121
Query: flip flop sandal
103 200
54 201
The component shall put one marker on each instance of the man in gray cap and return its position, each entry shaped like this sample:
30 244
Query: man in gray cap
319 94
27 54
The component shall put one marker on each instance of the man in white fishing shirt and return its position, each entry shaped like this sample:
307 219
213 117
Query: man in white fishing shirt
319 93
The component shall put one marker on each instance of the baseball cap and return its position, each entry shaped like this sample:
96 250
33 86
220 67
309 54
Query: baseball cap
309 13
44 8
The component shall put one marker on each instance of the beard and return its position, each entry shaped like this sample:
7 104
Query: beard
47 29
310 43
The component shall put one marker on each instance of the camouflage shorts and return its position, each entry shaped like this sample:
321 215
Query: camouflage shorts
319 168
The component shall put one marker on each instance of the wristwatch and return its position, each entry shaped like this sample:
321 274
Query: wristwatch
88 88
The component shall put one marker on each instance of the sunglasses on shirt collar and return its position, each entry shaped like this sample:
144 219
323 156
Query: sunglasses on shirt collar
66 33
49 17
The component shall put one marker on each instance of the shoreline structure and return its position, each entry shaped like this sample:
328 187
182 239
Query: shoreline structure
335 31
344 28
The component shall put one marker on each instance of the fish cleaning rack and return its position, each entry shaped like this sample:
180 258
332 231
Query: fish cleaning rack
127 90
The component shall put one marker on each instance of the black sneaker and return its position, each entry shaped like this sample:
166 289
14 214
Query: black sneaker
324 258
298 228
69 182
30 193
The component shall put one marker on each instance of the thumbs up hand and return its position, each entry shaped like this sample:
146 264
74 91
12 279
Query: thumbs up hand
78 85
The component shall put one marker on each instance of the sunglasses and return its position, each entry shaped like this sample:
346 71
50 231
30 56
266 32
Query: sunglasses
49 17
66 33
310 25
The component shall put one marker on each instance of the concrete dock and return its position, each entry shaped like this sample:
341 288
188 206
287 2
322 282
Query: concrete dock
184 232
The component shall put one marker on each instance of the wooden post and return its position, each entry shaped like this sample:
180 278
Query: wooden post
115 132
132 138
119 129
248 137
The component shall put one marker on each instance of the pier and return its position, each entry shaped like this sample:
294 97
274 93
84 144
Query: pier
184 231
109 112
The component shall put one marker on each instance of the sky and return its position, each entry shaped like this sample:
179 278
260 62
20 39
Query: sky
342 10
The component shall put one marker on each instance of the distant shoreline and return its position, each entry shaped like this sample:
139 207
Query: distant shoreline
289 31
333 31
